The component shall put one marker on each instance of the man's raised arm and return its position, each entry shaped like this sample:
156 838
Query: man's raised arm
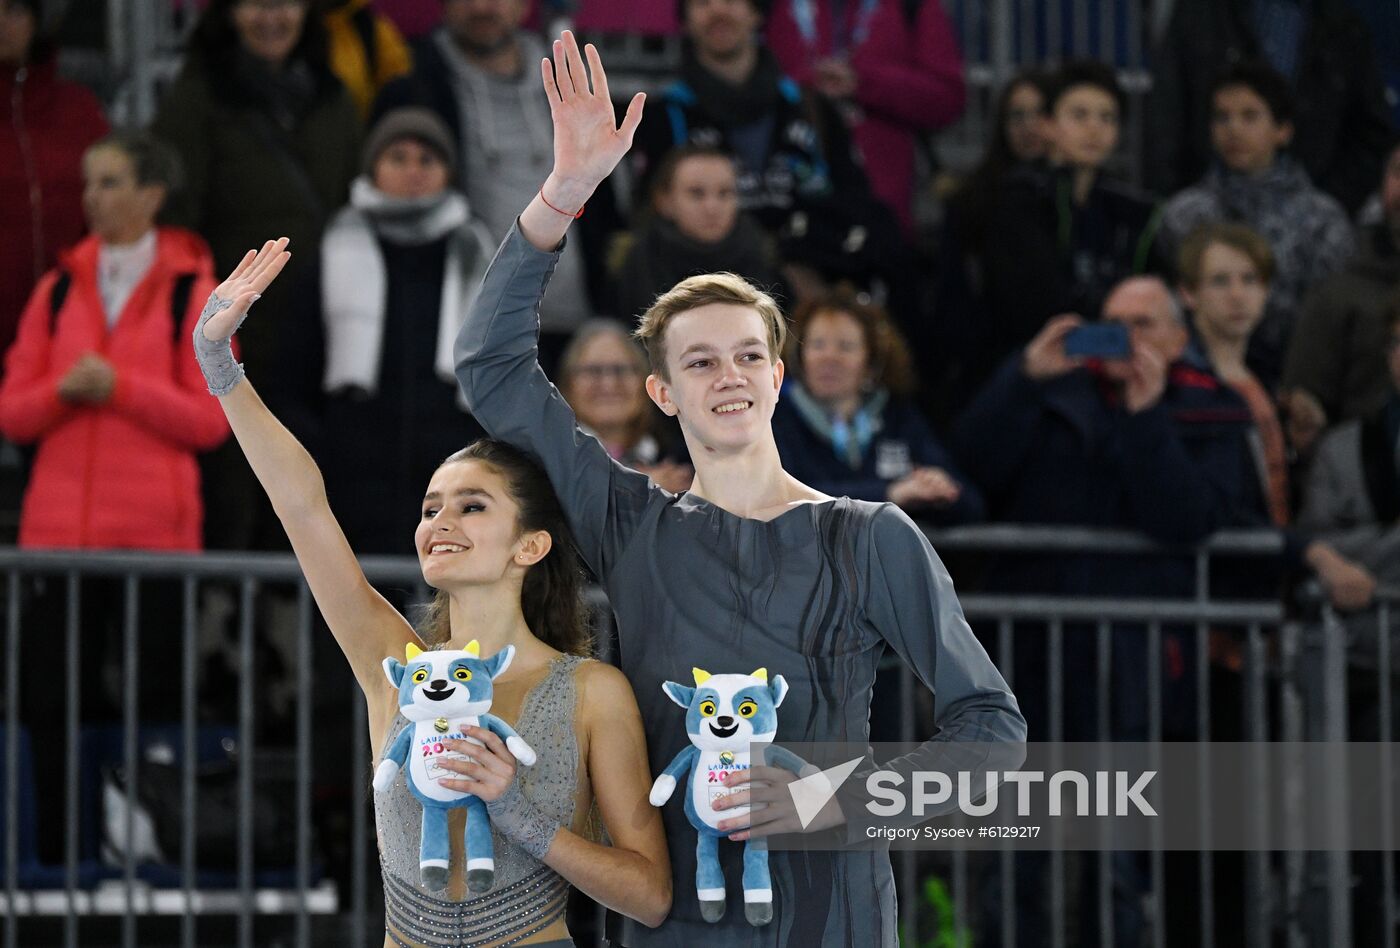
496 353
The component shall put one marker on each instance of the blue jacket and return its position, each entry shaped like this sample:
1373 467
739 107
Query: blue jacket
904 442
1062 452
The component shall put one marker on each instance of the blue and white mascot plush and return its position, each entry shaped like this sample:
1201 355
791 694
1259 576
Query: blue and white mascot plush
725 714
441 692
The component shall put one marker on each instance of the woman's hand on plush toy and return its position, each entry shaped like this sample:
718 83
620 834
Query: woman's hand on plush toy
490 769
772 808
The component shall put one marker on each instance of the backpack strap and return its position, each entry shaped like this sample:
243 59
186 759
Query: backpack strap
57 295
179 302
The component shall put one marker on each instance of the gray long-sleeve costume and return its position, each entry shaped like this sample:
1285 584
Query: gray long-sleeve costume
815 595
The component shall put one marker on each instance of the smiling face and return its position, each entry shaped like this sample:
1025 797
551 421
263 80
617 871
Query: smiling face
1229 298
729 712
835 357
723 382
269 29
604 385
469 533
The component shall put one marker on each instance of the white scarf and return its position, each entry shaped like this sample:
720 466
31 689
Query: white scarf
354 281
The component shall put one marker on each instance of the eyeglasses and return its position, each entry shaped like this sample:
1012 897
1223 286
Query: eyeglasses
615 370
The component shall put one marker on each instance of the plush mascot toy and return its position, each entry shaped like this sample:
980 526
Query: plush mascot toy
725 714
441 692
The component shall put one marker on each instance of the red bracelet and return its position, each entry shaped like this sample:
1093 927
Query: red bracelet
557 210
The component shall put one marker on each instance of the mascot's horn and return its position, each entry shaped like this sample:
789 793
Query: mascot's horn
412 651
761 674
701 676
473 648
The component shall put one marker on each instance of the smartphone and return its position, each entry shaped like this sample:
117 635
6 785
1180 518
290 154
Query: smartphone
1106 340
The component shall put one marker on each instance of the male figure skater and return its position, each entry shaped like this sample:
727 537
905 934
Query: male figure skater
750 568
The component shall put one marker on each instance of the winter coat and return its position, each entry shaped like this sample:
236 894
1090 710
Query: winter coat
46 124
1339 344
807 154
1308 231
1342 119
660 256
1044 256
366 51
909 72
903 443
378 446
249 178
121 474
1066 452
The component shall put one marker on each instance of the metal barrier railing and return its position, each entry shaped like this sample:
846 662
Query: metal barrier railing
1273 676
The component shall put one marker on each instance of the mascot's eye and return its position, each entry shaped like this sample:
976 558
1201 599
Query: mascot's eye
707 708
748 709
420 676
462 674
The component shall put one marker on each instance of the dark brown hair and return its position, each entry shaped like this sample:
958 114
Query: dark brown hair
889 363
551 597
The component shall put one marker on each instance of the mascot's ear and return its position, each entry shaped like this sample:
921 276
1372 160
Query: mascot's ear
778 688
678 693
394 671
500 661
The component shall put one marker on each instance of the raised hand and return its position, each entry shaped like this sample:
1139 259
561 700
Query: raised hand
226 310
1045 357
245 284
588 142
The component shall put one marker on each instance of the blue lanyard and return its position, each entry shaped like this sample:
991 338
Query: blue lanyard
804 14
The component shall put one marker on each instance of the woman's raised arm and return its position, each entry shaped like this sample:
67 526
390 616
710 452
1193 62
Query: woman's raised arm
364 625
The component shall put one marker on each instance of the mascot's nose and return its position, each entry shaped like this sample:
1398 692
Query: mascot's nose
724 721
439 684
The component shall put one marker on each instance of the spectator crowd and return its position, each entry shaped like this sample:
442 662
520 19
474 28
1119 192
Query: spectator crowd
1058 346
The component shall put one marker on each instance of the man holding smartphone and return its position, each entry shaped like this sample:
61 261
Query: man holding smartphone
1105 428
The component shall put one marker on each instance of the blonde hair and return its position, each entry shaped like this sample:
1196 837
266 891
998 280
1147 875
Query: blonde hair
702 290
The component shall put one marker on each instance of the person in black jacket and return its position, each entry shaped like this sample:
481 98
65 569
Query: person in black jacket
845 424
1061 235
1148 443
1324 47
799 174
692 225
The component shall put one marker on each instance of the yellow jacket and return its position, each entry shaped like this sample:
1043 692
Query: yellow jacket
348 27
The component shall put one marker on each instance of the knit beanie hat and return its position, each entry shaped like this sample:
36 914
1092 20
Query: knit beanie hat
417 123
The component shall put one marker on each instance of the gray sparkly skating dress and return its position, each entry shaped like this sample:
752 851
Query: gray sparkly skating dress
528 896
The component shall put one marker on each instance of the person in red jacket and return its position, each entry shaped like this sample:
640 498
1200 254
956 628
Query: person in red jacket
99 376
894 67
46 124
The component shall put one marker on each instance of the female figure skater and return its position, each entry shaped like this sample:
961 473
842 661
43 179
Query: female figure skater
493 542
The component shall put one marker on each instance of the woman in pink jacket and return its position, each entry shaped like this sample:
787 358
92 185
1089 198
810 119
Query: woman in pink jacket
100 376
893 67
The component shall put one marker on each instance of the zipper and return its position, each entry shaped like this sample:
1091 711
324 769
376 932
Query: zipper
31 174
